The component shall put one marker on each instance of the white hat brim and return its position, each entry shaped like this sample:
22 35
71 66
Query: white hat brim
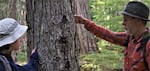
18 32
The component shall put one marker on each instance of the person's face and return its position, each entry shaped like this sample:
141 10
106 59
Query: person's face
17 44
130 24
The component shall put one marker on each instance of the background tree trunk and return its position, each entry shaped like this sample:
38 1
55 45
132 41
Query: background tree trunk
86 40
52 31
12 14
3 8
12 9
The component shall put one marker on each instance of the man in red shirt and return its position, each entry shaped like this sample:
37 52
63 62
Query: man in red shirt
135 17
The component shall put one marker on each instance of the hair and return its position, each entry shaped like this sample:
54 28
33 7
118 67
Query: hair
5 47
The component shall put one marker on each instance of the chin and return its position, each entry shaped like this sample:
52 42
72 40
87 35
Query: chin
128 32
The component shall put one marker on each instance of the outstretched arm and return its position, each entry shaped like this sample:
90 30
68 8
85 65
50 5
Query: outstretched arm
119 38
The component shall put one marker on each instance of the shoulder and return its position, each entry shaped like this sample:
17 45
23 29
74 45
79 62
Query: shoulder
148 46
147 36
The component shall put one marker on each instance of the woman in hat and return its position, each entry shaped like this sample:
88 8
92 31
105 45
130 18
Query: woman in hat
135 39
11 38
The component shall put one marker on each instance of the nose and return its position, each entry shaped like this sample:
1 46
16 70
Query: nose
21 39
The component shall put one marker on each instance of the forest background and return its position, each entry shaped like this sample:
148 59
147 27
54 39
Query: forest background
105 13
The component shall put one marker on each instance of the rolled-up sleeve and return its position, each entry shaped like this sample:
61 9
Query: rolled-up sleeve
119 38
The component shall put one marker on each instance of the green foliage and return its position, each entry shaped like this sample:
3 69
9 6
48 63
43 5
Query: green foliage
108 12
21 57
110 58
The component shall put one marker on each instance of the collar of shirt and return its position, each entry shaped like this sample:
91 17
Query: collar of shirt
138 39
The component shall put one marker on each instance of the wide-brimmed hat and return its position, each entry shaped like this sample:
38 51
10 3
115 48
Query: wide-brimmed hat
137 9
10 31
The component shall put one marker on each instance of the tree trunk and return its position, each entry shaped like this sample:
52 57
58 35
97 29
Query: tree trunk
86 40
52 31
12 14
12 9
3 8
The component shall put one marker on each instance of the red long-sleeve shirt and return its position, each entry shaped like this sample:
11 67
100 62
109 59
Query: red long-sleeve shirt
133 59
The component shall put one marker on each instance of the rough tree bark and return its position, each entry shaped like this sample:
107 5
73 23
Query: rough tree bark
3 8
52 31
86 40
12 10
